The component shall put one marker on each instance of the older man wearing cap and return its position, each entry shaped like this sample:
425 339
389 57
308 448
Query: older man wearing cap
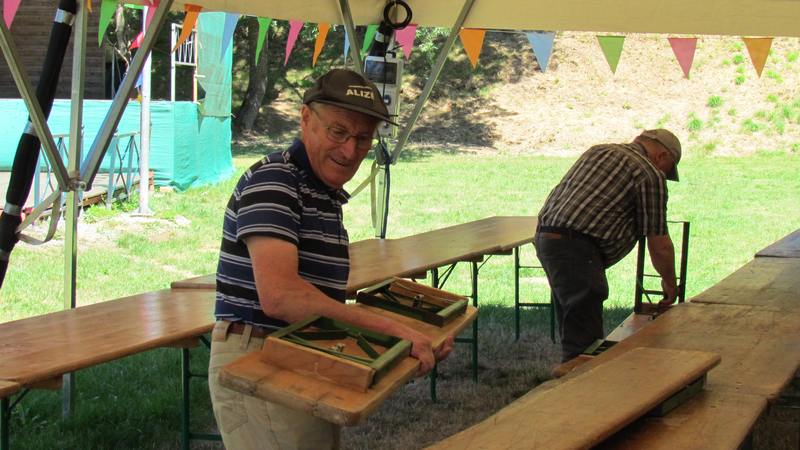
284 257
613 194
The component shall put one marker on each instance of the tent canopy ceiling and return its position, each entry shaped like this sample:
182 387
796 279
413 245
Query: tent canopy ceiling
713 17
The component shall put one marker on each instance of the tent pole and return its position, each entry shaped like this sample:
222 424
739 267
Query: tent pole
100 145
73 195
437 69
27 93
351 36
144 136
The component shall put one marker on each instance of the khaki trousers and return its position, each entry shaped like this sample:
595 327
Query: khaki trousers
248 423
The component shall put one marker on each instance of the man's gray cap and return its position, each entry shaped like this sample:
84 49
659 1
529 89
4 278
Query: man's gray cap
347 89
671 143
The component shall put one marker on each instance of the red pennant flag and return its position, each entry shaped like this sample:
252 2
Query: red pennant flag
473 42
138 41
684 50
759 51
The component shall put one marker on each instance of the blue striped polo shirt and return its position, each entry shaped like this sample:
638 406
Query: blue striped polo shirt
281 197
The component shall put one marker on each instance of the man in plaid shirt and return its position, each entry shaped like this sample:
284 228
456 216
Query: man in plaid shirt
613 194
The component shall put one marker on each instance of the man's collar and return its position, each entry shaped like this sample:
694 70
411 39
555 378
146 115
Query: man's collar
299 153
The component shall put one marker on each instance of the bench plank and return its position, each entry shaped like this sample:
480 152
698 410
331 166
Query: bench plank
48 346
711 420
760 347
768 282
787 247
336 404
582 412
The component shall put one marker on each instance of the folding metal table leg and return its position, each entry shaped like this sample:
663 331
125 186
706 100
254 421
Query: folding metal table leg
186 374
5 413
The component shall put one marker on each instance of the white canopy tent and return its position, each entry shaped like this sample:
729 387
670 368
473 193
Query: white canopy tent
712 17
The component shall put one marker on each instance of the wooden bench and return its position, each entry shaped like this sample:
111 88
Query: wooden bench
47 347
581 412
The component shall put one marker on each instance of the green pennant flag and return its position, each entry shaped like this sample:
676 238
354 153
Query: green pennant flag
371 29
107 9
263 27
612 48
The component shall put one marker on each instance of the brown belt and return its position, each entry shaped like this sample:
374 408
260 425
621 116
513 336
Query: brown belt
238 328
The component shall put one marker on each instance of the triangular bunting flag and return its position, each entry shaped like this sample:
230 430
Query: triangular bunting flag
542 45
10 10
228 28
473 42
89 5
684 51
150 12
138 41
405 38
323 33
294 30
263 28
759 50
371 29
107 9
346 48
192 11
612 48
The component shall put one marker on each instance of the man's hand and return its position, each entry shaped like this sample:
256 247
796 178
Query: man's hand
671 292
427 355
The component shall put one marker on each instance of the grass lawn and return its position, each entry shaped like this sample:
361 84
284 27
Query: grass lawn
736 207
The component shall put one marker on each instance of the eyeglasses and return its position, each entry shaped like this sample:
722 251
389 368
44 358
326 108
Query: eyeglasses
340 136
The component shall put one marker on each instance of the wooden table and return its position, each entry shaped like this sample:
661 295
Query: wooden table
760 347
40 350
765 282
375 260
327 401
788 247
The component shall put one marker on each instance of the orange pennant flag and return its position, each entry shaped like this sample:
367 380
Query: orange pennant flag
473 42
89 5
323 33
759 50
192 11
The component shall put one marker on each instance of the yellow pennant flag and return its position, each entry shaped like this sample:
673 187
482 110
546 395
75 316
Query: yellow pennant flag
192 11
759 50
323 33
473 42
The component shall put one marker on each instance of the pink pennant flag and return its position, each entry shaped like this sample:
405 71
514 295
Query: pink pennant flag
684 51
473 42
294 30
405 38
10 10
150 12
138 41
323 33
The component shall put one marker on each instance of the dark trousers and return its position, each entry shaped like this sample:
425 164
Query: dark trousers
577 278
